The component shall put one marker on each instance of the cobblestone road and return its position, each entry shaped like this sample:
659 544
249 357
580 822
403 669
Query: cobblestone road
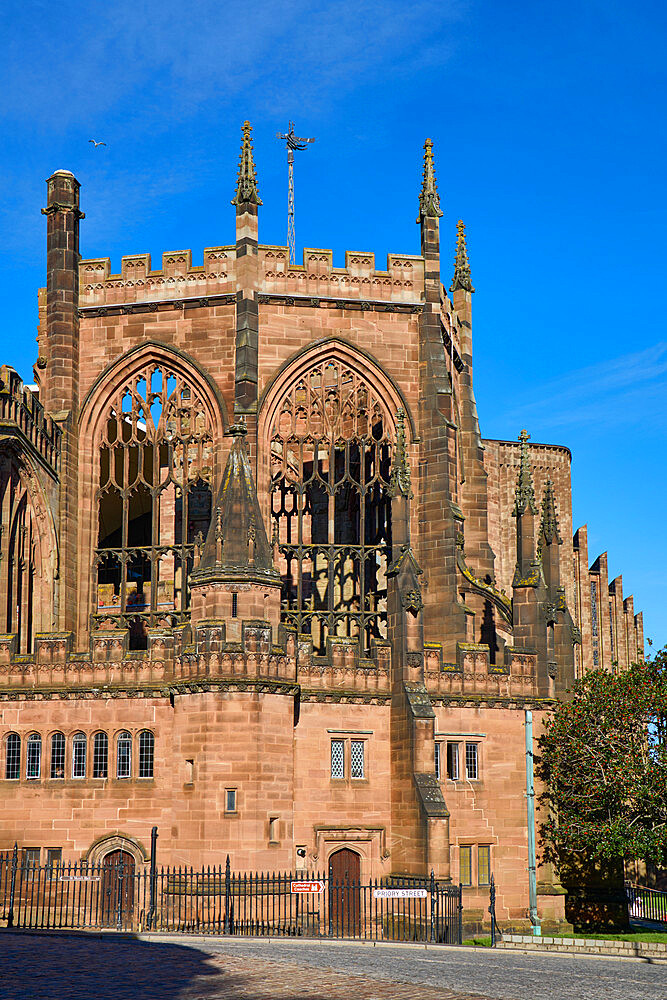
36 967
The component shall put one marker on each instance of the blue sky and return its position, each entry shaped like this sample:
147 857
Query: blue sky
550 138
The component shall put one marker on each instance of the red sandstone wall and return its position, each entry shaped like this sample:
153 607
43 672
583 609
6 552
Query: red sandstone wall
501 460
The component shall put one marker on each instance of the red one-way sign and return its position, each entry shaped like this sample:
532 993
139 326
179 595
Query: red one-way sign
315 885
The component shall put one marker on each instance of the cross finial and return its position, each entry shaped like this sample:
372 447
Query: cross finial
462 277
246 182
524 493
429 199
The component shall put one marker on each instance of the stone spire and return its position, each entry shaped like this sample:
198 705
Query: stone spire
246 182
236 544
549 523
524 493
400 482
429 199
461 263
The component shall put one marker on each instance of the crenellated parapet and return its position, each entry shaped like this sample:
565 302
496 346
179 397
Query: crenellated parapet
473 675
203 653
402 281
24 420
139 283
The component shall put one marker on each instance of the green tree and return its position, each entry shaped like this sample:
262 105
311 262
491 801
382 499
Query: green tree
603 762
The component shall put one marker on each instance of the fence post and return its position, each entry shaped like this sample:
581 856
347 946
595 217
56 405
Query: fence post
492 911
12 887
152 885
226 927
460 940
432 905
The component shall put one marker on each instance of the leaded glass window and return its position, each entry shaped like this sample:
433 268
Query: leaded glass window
79 756
357 759
34 756
483 864
146 753
154 500
124 756
100 755
472 770
330 471
12 756
57 755
338 758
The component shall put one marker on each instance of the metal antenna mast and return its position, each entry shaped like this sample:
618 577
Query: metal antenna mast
292 142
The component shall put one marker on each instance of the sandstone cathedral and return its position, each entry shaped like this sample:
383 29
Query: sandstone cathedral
264 585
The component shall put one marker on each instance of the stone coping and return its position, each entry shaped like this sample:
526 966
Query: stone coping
649 950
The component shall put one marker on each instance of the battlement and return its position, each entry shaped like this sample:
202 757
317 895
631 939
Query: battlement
22 416
203 654
138 282
402 281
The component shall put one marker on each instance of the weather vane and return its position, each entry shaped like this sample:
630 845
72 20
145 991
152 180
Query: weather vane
292 142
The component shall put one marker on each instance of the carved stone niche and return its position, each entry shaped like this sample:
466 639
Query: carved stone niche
256 636
53 647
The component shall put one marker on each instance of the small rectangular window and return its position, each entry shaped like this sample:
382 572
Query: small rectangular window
465 865
30 862
338 758
273 830
453 761
471 761
357 759
54 859
437 760
230 800
483 864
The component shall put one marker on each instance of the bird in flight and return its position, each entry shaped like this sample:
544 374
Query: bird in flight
96 144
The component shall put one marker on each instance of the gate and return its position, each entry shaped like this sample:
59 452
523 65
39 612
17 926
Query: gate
215 900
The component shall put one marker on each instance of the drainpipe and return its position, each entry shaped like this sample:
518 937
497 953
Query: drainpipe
530 810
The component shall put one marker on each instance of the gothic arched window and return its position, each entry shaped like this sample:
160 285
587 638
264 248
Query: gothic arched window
57 755
154 500
331 442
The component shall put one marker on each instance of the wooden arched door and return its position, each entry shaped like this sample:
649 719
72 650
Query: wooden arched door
344 892
117 890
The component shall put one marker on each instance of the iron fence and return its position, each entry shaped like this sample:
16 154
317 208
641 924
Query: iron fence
646 904
216 900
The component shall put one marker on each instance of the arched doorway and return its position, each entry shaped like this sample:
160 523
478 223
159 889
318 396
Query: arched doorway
117 890
344 892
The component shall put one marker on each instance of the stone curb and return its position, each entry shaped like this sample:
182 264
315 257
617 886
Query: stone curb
644 951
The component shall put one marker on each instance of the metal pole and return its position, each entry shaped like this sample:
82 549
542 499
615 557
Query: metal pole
153 879
492 911
460 940
432 889
227 924
12 888
530 811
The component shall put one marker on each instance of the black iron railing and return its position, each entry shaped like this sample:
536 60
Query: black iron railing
216 900
646 904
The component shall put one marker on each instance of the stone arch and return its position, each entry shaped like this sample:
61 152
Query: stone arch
28 550
342 350
108 843
328 428
118 380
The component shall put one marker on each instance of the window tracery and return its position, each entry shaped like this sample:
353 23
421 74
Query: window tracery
331 443
154 500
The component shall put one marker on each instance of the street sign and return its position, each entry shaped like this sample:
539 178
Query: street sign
315 885
400 893
79 878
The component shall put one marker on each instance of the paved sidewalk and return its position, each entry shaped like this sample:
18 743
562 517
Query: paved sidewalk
70 967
